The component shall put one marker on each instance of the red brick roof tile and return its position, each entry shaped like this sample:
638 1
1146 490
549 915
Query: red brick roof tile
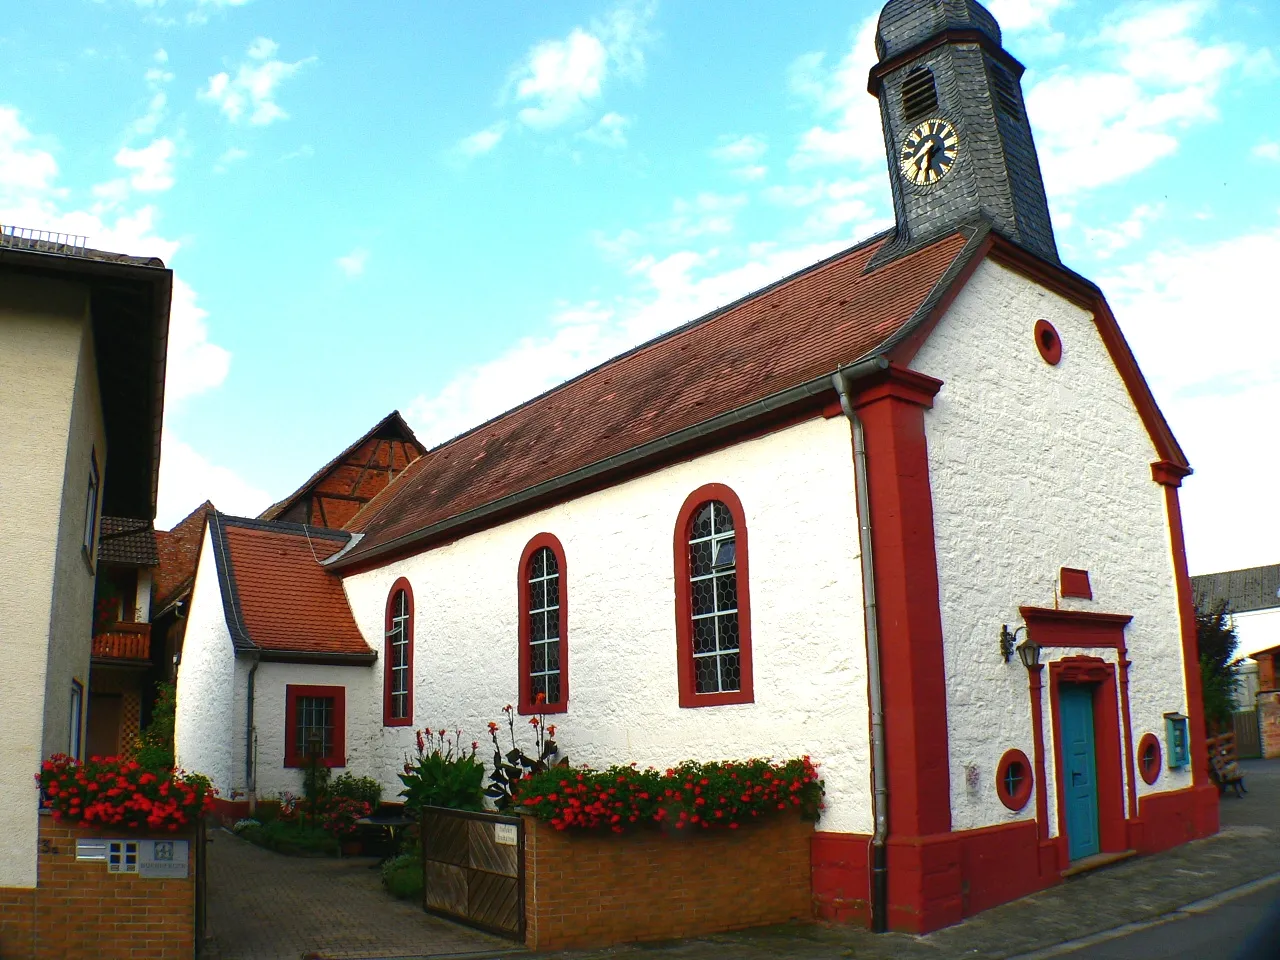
179 551
287 601
801 328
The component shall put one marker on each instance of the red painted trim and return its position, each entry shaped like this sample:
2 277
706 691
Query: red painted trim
292 692
1075 583
1173 817
1169 474
839 866
229 811
1190 645
1048 342
684 600
1014 801
387 719
1130 776
891 406
1075 628
1150 773
526 704
1112 834
1047 865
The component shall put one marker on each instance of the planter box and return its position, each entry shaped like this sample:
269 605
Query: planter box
593 890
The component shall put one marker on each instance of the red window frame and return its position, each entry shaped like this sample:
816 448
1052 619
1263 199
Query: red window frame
338 751
387 719
689 697
525 700
1017 800
1150 773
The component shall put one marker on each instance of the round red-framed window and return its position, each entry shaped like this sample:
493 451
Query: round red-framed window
1013 779
1149 757
1048 342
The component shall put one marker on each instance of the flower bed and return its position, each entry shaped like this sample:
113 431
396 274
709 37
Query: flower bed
692 795
119 792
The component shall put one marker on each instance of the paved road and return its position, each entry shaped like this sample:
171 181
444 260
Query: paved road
1218 932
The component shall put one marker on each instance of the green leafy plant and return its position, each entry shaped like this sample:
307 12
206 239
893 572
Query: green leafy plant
514 766
291 838
402 876
1219 669
366 789
691 795
443 773
333 815
153 747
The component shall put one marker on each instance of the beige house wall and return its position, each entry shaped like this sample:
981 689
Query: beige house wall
51 421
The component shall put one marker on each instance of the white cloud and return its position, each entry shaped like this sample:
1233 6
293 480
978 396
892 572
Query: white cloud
353 263
707 213
251 93
195 365
1212 356
23 165
1267 150
1106 241
1016 15
851 131
610 130
151 167
232 155
559 79
1100 126
482 141
187 478
735 150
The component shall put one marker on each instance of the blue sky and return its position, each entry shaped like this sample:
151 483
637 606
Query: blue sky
446 208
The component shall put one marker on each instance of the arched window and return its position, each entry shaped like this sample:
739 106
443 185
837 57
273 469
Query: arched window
544 627
713 609
397 663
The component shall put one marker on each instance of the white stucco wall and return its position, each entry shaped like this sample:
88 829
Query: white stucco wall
43 331
205 729
363 725
1035 468
809 648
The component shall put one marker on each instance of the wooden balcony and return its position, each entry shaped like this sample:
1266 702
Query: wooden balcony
123 641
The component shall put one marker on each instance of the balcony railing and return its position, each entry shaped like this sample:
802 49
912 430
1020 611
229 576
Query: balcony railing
124 641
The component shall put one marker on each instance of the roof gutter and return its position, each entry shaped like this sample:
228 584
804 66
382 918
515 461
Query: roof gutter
266 655
618 463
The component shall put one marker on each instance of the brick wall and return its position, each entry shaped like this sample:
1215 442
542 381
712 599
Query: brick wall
78 911
592 890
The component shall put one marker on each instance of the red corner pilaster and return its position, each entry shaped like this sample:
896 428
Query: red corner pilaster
1170 475
924 867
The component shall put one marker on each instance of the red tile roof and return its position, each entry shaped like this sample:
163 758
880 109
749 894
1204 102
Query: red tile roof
279 597
799 329
127 540
179 550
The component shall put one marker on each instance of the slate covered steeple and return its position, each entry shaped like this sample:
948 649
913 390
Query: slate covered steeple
955 127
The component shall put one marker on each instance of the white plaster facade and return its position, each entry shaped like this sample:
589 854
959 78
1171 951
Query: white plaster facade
52 424
808 643
1035 467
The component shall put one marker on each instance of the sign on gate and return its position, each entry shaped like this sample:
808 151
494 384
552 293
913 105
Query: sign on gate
473 869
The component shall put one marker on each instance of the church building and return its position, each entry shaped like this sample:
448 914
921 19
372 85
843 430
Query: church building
912 511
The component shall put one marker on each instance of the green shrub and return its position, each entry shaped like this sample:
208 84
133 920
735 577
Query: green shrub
365 789
153 749
402 876
293 839
441 777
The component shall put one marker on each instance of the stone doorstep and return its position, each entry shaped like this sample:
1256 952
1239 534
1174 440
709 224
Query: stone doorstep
1098 860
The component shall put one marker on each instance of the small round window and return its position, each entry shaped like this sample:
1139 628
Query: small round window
1048 342
1149 758
1014 780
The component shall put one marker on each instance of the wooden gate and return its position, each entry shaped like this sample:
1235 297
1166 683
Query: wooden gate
1248 735
473 869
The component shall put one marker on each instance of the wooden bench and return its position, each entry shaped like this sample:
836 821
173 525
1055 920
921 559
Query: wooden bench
1224 765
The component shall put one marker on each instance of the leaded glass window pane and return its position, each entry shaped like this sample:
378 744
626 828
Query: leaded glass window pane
544 626
713 592
399 634
314 726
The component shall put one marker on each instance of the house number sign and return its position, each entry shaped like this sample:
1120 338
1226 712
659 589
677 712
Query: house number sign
153 859
506 833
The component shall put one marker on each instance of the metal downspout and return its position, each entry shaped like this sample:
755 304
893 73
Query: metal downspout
879 779
250 768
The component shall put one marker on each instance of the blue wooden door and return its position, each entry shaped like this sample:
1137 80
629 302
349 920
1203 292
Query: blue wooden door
1079 770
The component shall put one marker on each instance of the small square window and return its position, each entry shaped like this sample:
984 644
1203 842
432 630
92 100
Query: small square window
122 856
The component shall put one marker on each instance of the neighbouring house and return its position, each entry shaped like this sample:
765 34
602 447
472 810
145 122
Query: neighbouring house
82 362
912 511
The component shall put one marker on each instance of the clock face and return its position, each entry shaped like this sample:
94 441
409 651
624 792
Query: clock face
929 152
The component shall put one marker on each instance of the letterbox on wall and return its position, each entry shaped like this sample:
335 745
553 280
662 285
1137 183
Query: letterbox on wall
1177 747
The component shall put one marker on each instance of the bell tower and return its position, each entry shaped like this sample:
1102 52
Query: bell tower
955 127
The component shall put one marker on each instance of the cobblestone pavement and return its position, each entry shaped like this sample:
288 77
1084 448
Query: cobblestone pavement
337 909
265 906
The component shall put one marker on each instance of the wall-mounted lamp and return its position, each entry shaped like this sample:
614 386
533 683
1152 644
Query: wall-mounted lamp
1029 654
1008 641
